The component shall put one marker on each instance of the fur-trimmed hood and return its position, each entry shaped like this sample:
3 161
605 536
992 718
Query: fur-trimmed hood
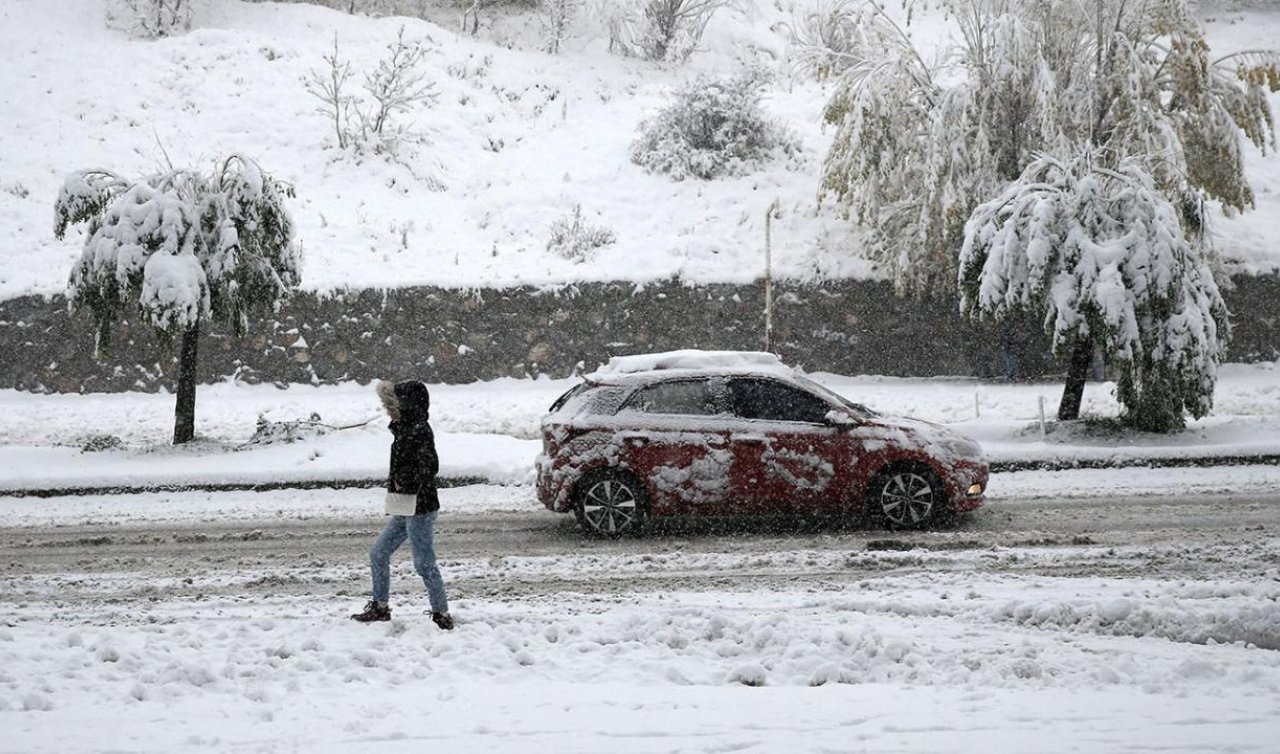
408 402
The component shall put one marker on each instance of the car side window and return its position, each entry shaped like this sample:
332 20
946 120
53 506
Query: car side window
689 397
770 400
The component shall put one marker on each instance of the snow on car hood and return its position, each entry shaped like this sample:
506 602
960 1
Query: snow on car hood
941 442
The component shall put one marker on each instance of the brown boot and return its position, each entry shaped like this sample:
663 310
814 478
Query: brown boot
374 611
443 621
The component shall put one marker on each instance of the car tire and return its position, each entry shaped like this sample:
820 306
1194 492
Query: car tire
611 504
907 497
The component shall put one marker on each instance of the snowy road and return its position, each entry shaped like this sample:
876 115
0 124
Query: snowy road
1181 535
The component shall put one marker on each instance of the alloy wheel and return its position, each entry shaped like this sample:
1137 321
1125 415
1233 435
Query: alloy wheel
610 507
907 499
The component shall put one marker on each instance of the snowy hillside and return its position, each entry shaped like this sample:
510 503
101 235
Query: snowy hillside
516 139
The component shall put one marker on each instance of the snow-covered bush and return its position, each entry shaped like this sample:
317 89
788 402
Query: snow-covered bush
574 238
178 249
658 29
711 128
1103 254
398 85
99 442
150 18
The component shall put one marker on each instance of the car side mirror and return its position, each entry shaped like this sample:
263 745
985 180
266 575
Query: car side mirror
837 418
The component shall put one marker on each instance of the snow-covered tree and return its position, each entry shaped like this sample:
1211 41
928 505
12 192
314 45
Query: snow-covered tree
928 160
178 249
150 18
558 18
1103 254
711 128
919 144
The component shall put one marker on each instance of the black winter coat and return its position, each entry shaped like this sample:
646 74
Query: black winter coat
414 463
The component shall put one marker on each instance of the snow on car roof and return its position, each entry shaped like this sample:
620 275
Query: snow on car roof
693 360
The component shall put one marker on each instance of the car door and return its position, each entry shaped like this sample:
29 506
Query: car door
787 456
675 436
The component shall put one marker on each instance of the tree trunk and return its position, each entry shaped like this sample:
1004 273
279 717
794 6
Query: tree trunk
1077 373
184 417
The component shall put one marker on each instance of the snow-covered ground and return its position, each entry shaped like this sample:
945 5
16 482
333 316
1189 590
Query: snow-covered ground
518 137
935 664
665 645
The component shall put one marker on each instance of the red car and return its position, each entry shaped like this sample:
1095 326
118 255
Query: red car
691 432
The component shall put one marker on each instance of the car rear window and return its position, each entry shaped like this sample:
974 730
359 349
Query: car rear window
589 399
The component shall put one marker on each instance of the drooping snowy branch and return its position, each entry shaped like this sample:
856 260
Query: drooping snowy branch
252 261
84 195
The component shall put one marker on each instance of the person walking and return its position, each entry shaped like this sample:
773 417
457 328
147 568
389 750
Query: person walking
412 502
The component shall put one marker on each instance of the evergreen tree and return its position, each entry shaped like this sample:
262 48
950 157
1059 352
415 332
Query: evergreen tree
179 249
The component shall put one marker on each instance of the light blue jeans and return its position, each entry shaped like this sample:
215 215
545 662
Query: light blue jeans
420 531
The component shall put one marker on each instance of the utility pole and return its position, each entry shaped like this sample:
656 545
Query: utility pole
768 275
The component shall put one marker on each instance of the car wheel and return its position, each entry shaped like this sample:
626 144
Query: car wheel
611 504
908 497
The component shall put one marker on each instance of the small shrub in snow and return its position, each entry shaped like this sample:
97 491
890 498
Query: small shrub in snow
659 29
749 675
398 85
712 128
574 238
150 18
98 443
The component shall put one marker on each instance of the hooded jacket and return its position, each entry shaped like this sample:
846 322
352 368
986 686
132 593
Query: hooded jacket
414 463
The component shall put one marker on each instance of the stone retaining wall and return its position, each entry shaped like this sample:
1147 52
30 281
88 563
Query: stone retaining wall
453 336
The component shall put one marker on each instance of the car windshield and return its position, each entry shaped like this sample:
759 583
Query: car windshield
586 398
859 410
